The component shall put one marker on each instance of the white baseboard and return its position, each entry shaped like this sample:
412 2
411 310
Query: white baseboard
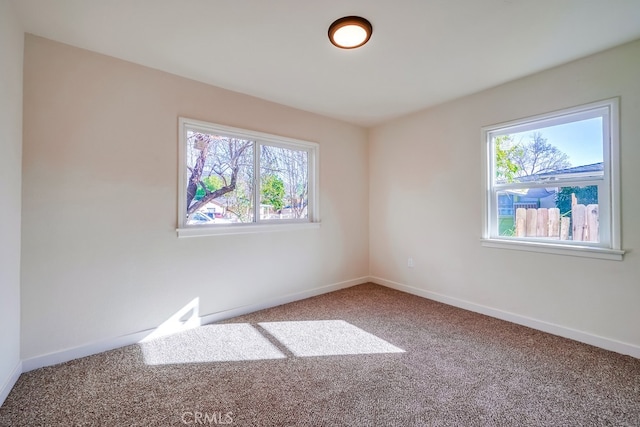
95 347
584 337
10 382
62 356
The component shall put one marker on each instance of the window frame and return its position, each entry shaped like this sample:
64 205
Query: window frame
260 139
609 246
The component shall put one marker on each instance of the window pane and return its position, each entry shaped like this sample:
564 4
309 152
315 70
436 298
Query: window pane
219 179
284 183
560 213
555 152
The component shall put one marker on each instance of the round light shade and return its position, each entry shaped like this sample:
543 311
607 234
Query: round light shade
350 32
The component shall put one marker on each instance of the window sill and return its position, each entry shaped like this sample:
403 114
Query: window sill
221 230
555 248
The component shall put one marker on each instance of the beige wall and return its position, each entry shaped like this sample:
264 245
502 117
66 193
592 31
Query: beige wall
426 198
101 258
11 48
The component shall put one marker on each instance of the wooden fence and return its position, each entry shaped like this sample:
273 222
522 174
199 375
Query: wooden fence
547 222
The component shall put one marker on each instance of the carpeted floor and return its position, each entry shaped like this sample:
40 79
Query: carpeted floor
363 356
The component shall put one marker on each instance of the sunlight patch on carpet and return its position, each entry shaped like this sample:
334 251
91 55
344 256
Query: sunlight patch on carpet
210 343
327 338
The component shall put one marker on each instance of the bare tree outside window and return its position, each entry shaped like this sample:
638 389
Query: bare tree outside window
239 180
220 169
289 167
517 159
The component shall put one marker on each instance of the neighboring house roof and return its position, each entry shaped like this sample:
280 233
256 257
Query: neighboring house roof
539 193
582 170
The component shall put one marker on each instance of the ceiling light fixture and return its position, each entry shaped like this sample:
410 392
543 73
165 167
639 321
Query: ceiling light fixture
350 32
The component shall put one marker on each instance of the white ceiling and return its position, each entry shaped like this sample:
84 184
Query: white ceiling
422 52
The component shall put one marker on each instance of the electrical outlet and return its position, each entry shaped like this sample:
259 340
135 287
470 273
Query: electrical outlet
410 263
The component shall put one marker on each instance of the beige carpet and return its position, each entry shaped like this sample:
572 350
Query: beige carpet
363 356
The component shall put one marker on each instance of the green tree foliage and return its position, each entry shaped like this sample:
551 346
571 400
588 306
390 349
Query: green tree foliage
506 168
584 195
273 191
211 184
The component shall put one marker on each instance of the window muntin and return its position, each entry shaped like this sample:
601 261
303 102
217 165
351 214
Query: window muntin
232 177
558 165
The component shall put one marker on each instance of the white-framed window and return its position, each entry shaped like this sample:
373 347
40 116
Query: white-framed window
234 181
552 182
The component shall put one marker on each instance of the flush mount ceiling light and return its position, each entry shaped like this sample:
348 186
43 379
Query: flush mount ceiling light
350 32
